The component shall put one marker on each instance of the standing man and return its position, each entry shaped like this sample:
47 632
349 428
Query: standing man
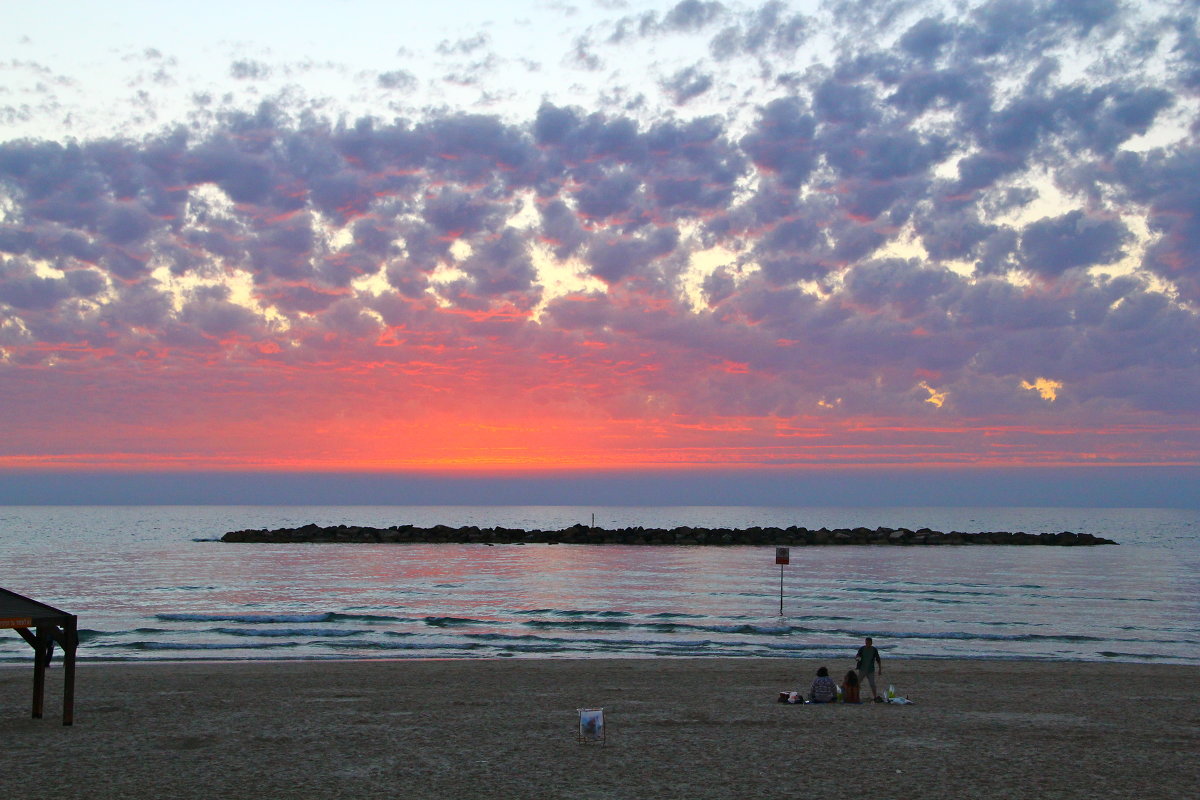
867 657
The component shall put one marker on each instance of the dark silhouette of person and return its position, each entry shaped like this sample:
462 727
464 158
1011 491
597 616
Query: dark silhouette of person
850 688
866 660
823 689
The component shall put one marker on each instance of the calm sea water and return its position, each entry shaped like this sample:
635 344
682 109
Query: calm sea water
149 582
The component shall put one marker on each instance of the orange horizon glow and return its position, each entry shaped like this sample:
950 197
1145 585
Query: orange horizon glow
459 445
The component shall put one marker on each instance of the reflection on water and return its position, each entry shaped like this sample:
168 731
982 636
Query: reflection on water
150 591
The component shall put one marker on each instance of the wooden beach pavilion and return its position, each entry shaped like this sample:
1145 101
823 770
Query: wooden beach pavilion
49 626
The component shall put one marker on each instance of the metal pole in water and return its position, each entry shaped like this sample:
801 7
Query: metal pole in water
782 555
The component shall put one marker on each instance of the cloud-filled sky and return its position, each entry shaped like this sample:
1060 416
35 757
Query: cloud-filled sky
359 235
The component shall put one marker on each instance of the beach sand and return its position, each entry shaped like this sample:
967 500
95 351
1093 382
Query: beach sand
506 728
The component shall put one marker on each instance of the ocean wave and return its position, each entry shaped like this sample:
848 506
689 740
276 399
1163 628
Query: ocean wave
608 643
144 645
919 590
449 622
579 624
373 644
746 628
1135 656
183 588
992 637
259 618
654 630
766 630
283 632
359 617
944 601
559 612
534 648
831 649
780 631
87 635
720 653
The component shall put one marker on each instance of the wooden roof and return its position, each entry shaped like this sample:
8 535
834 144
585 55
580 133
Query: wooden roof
19 611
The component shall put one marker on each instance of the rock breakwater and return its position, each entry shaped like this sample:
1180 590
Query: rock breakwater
582 534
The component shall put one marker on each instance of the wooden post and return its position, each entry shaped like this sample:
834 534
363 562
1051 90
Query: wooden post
40 641
42 627
70 645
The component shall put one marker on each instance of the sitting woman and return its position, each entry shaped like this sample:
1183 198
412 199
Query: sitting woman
823 689
850 688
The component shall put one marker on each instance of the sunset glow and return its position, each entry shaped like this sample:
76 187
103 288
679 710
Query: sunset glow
687 235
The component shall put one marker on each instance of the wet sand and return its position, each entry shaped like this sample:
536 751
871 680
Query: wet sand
694 728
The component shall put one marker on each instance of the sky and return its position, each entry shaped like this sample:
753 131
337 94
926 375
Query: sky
614 241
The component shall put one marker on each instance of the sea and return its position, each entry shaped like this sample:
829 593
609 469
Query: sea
153 583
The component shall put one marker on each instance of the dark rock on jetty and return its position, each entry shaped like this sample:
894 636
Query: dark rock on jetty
582 534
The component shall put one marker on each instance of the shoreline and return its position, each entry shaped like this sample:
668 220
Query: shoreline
27 661
703 727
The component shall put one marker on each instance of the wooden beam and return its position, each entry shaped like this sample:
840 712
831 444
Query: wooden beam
27 636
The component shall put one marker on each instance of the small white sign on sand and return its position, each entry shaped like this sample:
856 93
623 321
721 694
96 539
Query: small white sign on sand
591 726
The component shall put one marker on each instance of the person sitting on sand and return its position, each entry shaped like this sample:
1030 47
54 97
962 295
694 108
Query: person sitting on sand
823 689
850 688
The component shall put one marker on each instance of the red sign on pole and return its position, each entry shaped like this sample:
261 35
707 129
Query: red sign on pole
781 555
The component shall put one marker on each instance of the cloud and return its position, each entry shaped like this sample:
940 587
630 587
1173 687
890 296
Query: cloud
582 56
927 38
687 16
688 84
249 70
947 208
1050 246
782 142
464 46
502 266
771 29
397 79
905 286
692 15
22 290
614 257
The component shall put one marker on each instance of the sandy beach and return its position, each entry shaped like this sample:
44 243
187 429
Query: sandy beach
706 728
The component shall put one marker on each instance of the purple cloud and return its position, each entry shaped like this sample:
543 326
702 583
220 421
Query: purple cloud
843 241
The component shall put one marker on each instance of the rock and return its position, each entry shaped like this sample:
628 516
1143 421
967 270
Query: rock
683 535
